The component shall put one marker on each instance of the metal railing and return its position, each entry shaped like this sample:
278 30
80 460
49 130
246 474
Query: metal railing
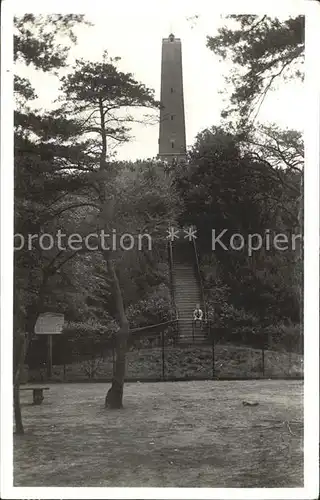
173 302
151 329
199 278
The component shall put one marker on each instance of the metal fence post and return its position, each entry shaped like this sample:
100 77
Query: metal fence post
262 359
212 340
49 359
163 366
289 361
113 356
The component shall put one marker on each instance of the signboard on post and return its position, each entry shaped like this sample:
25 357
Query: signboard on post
49 324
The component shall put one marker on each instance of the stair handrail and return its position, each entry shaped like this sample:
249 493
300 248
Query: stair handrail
173 302
200 278
158 327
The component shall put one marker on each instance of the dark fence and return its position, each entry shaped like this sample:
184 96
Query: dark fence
156 353
259 338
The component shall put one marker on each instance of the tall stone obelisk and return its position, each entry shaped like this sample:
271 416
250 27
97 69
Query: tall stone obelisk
172 133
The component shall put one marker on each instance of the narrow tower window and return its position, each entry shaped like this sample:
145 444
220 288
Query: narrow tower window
172 117
172 144
171 90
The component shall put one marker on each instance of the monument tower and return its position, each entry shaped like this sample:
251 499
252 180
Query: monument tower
172 133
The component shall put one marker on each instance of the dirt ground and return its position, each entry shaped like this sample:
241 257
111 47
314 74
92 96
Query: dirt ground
187 434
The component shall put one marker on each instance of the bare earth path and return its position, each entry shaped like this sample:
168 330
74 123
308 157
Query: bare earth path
188 434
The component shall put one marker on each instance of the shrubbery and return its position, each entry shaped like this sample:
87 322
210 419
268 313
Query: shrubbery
155 309
89 338
287 336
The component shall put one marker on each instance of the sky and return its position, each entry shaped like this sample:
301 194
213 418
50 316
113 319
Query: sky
134 32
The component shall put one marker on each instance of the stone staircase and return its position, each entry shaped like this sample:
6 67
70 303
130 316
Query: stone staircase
186 292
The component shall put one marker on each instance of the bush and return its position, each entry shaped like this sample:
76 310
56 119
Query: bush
153 310
92 366
287 336
88 338
231 317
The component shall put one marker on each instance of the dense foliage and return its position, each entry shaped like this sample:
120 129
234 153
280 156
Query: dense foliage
228 190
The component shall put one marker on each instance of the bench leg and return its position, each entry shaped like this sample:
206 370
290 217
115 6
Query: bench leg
37 396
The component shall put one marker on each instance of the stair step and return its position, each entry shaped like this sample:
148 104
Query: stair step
191 300
184 272
186 287
183 283
193 341
184 276
190 303
190 337
187 300
183 289
184 293
190 271
185 305
185 308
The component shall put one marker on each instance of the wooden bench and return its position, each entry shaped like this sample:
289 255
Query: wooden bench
37 393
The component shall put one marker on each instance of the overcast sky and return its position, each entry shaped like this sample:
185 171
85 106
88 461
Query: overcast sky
134 32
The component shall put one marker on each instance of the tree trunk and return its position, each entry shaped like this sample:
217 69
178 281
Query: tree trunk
19 360
115 393
22 322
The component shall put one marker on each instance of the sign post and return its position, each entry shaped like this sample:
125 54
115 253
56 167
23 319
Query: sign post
49 358
49 324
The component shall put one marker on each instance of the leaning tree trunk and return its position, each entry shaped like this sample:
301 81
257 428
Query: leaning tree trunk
115 393
19 359
23 321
